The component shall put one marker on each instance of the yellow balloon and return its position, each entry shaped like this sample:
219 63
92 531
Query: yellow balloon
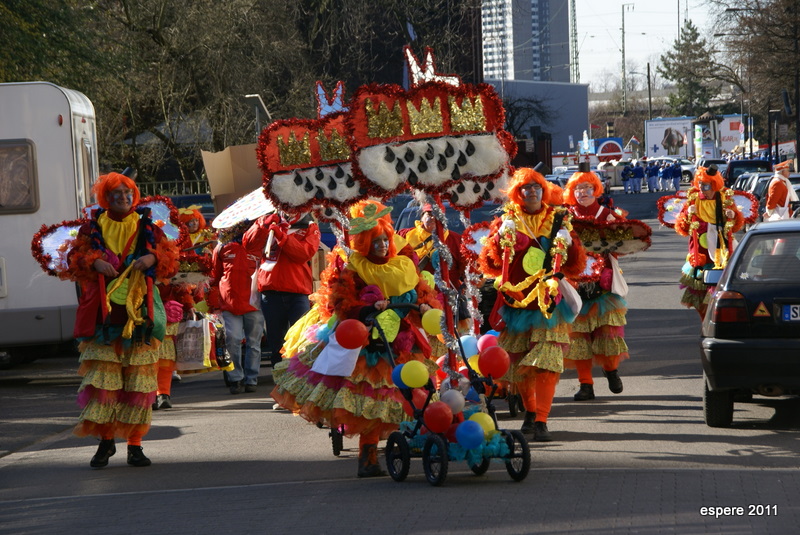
473 363
431 321
485 422
414 374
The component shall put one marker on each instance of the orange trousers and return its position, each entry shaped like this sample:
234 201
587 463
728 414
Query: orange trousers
537 391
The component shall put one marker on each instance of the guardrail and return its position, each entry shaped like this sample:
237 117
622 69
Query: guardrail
178 187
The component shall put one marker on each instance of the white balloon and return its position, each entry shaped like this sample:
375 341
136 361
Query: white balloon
454 400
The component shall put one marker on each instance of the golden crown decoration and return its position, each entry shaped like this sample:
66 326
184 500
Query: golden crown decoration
294 152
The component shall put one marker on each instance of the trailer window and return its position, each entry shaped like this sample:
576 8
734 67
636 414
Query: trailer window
17 177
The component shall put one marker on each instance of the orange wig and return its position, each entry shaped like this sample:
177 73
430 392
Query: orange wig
362 242
704 174
551 194
108 182
582 178
187 214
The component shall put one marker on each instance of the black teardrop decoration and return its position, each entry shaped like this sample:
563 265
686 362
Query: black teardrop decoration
456 174
409 155
476 188
297 179
350 182
412 178
339 172
441 164
470 148
486 196
423 165
460 188
454 198
389 156
308 186
429 152
490 186
400 167
332 184
320 194
319 175
449 150
362 191
462 159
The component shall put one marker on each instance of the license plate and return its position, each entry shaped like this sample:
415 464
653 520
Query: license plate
791 312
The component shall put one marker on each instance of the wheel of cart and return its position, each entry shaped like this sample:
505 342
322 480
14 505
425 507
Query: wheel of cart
518 459
435 459
398 456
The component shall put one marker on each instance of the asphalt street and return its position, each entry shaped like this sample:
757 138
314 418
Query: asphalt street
639 462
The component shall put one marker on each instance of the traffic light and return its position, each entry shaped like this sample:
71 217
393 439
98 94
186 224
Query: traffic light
609 129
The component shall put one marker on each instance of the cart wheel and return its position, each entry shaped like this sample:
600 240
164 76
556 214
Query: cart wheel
398 456
434 459
518 461
337 440
481 468
512 404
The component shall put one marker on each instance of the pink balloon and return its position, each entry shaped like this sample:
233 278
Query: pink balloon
487 340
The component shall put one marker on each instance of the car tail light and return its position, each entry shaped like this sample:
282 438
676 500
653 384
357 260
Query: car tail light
729 307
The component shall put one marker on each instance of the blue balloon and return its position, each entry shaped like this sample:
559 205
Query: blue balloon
496 333
470 345
469 434
398 382
473 396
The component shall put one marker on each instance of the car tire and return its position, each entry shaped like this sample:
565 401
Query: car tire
717 406
686 177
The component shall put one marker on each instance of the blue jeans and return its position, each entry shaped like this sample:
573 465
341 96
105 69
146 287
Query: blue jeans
627 185
250 327
281 310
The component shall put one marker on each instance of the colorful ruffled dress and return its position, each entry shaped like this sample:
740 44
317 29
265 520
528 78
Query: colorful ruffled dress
599 330
366 402
120 322
711 241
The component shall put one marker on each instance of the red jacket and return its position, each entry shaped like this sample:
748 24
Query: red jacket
232 268
288 261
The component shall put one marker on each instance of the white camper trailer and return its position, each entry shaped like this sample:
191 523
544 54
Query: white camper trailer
48 162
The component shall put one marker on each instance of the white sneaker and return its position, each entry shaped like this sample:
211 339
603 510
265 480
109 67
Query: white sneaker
175 377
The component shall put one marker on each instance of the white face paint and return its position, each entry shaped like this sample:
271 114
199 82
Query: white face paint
532 194
380 246
120 199
584 194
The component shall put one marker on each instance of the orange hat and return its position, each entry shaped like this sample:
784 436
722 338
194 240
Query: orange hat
192 212
110 181
580 178
786 164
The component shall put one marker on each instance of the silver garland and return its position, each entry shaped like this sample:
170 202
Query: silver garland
338 230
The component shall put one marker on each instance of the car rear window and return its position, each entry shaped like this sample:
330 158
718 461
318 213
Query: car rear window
774 257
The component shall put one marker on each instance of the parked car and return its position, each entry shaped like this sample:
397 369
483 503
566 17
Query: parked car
720 164
751 332
762 186
737 167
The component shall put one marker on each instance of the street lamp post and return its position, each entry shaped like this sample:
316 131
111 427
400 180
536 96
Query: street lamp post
649 90
625 7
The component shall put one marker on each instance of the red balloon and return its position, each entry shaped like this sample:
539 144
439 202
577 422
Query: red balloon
486 341
438 417
463 370
418 395
352 334
494 361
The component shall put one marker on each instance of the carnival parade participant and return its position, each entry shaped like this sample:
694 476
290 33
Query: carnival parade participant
198 232
117 257
709 217
284 276
652 177
420 239
637 177
780 193
530 248
233 264
598 331
366 402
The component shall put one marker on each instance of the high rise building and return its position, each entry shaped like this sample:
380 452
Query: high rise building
526 40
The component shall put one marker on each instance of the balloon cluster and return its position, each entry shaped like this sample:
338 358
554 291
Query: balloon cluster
485 356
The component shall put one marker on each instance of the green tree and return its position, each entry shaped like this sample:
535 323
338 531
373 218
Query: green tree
686 64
